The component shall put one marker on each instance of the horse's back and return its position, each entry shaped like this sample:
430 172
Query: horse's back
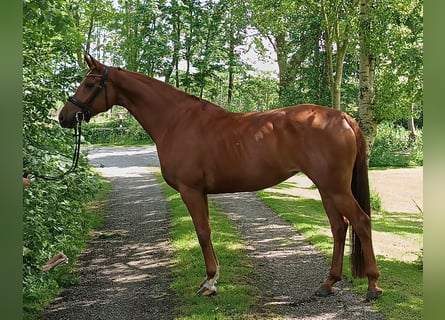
243 152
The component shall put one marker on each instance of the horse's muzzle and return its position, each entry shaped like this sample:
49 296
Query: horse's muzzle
66 123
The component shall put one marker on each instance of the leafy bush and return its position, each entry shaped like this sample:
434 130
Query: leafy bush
376 201
393 146
54 220
53 211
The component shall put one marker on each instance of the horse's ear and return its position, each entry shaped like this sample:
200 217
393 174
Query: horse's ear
89 60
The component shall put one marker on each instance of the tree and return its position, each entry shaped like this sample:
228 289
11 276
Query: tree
294 35
339 26
143 35
368 122
390 62
210 56
175 20
399 24
235 32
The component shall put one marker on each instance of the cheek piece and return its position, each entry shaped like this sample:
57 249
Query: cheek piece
86 106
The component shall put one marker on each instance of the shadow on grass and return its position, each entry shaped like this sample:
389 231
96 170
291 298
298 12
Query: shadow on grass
402 284
305 214
397 222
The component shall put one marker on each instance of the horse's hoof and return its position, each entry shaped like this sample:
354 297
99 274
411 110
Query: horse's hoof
324 291
206 292
373 295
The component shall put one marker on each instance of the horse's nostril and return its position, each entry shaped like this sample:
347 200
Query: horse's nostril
62 121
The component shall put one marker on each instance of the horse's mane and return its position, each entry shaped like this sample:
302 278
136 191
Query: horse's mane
153 82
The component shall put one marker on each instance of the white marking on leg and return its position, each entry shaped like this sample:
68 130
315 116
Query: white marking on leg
210 284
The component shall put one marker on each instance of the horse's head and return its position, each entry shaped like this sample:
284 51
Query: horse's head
94 95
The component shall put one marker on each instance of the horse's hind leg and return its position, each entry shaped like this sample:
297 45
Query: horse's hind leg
339 228
197 206
361 223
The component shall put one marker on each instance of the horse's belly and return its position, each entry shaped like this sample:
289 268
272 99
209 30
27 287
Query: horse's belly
247 181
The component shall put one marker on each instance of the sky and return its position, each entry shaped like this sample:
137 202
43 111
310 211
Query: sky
253 58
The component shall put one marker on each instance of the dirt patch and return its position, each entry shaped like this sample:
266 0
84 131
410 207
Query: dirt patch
401 190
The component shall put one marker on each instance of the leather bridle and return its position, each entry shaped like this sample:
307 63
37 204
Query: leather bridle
86 106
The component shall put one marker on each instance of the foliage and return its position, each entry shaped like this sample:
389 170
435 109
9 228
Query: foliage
254 93
110 132
198 46
376 201
55 220
294 31
53 217
401 281
395 146
398 42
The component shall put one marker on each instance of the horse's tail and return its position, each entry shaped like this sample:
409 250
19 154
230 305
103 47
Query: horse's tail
360 190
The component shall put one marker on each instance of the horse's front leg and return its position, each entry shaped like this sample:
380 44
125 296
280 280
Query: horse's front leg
197 206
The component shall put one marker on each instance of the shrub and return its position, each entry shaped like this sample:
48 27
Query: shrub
54 220
393 146
376 202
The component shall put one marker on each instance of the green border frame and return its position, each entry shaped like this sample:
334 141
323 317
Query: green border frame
434 159
11 133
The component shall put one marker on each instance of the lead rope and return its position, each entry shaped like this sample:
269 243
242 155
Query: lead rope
77 135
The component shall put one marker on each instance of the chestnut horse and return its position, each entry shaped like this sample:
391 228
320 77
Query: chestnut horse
204 149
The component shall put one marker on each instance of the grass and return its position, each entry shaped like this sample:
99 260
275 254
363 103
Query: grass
235 295
402 282
404 224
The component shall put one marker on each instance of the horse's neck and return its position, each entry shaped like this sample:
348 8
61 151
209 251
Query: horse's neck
152 102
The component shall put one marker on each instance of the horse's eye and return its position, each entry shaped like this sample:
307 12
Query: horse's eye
89 85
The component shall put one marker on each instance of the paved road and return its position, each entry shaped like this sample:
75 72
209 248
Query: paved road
401 190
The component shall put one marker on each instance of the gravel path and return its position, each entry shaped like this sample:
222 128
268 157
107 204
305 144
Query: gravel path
125 273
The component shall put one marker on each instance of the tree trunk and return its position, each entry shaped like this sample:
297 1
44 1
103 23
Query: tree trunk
335 38
412 126
289 64
230 86
90 31
176 36
232 56
188 50
367 120
279 45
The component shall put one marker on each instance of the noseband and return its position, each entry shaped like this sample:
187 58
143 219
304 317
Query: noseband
85 106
